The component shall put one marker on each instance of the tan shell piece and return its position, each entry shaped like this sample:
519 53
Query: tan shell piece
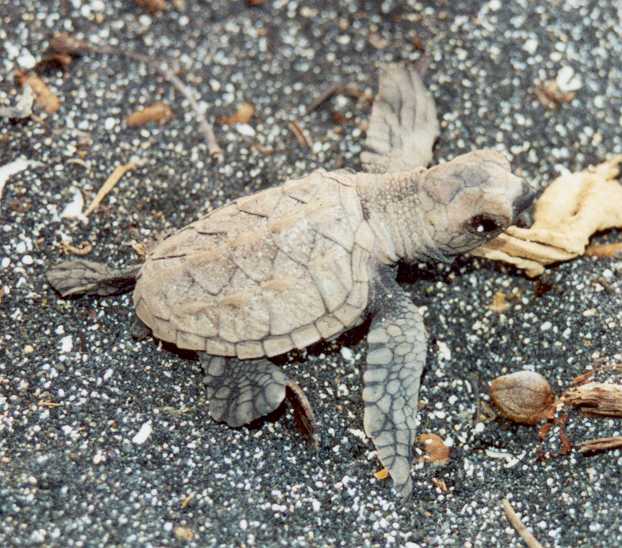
277 270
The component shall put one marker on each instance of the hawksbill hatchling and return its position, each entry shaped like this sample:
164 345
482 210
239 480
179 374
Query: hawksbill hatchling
312 258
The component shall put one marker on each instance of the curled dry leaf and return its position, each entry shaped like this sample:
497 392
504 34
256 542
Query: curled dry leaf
596 398
44 97
570 210
600 444
242 116
435 449
158 112
524 397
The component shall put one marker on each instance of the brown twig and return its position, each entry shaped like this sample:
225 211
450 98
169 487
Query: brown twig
596 398
64 43
109 184
520 527
351 90
300 135
600 444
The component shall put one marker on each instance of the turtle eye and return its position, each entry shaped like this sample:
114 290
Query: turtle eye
483 224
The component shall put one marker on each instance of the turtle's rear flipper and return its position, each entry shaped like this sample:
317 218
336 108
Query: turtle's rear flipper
241 391
81 277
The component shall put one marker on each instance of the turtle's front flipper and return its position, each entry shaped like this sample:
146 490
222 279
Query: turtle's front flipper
396 357
403 125
241 391
82 277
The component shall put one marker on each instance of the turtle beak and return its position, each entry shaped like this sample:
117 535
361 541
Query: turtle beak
523 202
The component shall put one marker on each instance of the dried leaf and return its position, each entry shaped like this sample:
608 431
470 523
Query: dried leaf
600 444
605 250
382 474
570 210
243 115
44 96
63 42
596 398
435 448
499 303
158 112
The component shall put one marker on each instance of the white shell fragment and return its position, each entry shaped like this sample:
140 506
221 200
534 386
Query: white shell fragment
143 434
74 209
12 168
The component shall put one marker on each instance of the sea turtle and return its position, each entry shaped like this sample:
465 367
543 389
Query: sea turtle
312 258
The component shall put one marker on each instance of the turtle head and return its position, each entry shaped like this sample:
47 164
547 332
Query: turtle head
469 201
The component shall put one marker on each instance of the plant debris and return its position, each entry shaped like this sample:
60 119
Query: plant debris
44 96
600 444
605 250
301 136
349 90
571 209
516 522
524 397
435 449
65 43
23 105
109 184
549 94
499 302
158 112
152 6
596 398
69 249
242 116
382 474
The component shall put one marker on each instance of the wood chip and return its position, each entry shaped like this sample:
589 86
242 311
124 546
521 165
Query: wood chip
596 398
582 378
243 115
499 303
600 444
110 183
44 96
516 522
158 112
382 474
605 250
